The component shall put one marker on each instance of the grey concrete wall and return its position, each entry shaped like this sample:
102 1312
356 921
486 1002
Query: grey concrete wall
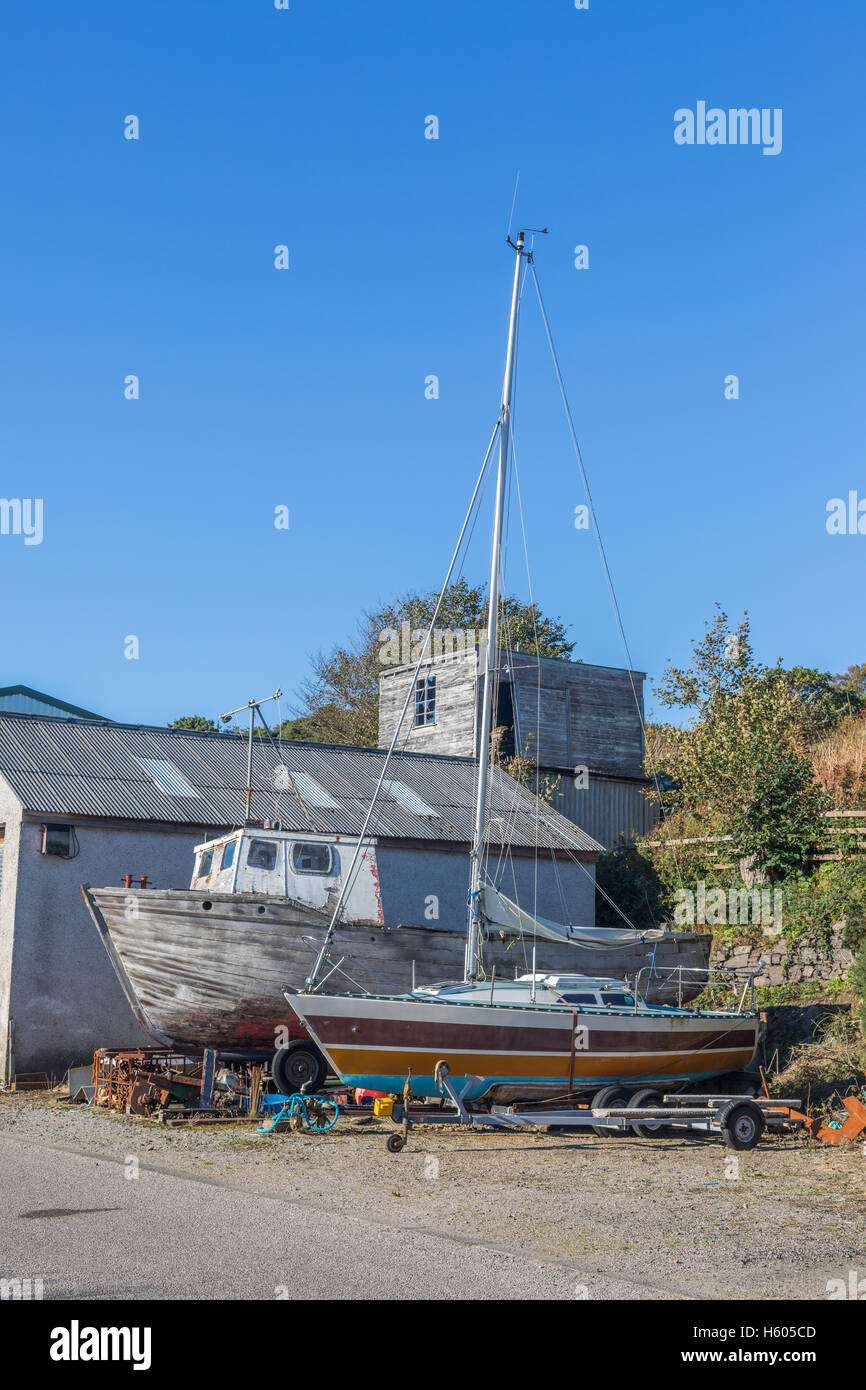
409 876
64 996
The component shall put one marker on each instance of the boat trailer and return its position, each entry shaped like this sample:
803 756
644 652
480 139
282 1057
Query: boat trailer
740 1121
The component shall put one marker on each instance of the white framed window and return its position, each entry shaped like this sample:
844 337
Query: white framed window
425 701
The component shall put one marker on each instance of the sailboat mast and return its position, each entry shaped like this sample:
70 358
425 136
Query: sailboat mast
472 964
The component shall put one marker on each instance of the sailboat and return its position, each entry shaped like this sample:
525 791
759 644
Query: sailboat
541 1034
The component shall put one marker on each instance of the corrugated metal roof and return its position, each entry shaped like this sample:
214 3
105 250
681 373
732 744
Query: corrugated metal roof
58 766
23 699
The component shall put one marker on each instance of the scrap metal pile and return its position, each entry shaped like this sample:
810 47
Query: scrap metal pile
158 1083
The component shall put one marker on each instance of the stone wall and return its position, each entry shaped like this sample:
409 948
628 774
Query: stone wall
803 961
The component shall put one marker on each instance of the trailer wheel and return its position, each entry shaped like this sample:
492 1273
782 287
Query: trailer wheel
741 1123
299 1064
394 1143
608 1097
647 1129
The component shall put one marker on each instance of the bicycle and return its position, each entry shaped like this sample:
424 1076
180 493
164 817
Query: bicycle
303 1112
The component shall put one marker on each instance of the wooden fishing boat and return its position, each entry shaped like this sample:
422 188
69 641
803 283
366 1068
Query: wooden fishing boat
208 968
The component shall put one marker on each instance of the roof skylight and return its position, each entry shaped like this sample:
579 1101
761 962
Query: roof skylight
167 777
410 800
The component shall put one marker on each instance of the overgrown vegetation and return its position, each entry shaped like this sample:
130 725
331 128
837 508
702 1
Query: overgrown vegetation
745 786
741 765
627 878
857 978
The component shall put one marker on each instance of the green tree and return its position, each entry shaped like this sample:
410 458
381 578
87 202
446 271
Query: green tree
853 682
824 701
741 764
196 722
341 699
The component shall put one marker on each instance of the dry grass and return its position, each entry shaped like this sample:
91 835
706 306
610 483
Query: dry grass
839 761
829 1067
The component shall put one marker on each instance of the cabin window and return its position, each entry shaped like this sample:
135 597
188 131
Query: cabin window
228 855
580 998
618 1000
205 864
425 701
262 854
312 859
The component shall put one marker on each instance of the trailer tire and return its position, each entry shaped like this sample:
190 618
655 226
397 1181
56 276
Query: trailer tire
608 1097
395 1143
299 1064
741 1123
647 1129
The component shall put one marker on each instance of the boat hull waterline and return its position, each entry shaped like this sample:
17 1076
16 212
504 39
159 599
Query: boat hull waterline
213 976
518 1051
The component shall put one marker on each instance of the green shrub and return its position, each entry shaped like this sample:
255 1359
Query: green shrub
630 879
857 978
812 904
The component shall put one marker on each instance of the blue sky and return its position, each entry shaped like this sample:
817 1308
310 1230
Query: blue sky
305 387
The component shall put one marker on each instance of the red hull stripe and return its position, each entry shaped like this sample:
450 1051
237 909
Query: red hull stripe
384 1032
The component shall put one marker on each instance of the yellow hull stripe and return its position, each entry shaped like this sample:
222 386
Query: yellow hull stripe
354 1061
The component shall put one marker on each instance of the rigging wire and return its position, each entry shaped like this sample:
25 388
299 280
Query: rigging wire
598 539
410 693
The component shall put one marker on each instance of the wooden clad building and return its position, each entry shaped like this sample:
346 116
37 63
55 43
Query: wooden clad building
581 723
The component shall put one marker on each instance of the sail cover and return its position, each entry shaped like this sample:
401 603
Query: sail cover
500 911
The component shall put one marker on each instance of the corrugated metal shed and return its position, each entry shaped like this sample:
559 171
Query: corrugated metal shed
74 767
21 699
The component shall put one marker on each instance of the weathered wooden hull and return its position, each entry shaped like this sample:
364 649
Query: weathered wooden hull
198 976
503 1052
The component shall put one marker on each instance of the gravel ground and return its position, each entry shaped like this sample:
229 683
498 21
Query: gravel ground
681 1218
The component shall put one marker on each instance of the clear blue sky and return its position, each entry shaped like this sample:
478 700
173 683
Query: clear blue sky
306 387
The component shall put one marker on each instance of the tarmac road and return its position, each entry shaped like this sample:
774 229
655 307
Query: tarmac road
89 1231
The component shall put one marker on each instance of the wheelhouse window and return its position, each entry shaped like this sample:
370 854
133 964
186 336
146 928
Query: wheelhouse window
425 701
312 859
262 854
205 864
228 854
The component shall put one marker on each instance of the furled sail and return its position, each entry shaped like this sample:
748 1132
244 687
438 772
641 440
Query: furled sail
501 912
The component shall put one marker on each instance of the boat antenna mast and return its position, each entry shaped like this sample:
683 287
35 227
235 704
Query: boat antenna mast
473 965
254 709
